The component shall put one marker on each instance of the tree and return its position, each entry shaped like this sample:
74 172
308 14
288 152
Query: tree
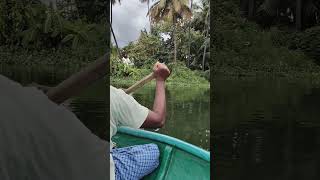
78 33
200 22
173 11
303 12
94 11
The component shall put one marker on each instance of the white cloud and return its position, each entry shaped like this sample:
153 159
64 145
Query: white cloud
128 19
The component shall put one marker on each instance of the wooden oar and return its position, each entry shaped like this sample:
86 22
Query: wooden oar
79 81
140 83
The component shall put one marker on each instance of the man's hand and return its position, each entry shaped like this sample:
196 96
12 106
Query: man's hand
161 71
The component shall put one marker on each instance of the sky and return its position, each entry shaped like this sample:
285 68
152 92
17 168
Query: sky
128 19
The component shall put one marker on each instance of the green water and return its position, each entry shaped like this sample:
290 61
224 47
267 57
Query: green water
187 108
90 106
266 129
187 113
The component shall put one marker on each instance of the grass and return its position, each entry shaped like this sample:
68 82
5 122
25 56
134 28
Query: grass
181 76
65 58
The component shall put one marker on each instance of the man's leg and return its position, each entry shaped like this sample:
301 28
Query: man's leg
135 162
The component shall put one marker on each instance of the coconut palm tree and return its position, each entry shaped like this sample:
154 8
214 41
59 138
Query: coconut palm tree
201 22
173 11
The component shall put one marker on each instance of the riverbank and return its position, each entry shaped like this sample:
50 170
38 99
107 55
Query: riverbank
239 72
124 83
181 76
74 60
66 57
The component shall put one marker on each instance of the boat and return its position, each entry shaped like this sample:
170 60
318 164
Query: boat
178 159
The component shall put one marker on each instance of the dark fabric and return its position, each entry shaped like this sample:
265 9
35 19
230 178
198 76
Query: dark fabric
41 140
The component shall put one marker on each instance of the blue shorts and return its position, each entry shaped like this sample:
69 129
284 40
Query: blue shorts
135 162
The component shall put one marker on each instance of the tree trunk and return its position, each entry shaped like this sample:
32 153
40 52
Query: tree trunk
205 46
251 9
8 23
114 38
204 53
149 17
111 12
189 53
244 7
299 15
175 43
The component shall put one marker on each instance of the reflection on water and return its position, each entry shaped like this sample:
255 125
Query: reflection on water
187 109
266 129
187 113
89 106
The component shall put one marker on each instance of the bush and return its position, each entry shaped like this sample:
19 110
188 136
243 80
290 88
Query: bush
309 42
49 57
242 46
183 75
33 25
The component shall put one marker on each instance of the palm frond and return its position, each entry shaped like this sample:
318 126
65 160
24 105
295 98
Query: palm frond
67 38
162 4
48 22
170 15
186 12
75 42
170 10
177 6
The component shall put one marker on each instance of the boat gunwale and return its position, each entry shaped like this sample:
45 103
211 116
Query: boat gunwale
190 148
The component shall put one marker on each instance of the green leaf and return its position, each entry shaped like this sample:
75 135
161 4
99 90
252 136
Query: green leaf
55 33
84 36
162 4
67 38
176 6
47 24
75 42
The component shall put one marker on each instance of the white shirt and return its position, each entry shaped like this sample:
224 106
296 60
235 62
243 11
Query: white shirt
124 111
127 61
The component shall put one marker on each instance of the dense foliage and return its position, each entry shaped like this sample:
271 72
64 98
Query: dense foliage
186 61
275 12
242 46
34 26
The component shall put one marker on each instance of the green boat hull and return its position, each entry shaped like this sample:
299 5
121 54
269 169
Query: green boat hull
178 159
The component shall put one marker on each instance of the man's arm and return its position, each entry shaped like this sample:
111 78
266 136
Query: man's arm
156 118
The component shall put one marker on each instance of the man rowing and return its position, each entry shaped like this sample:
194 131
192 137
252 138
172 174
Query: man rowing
135 162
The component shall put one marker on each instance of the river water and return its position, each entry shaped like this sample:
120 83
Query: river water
187 108
266 128
90 106
187 113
